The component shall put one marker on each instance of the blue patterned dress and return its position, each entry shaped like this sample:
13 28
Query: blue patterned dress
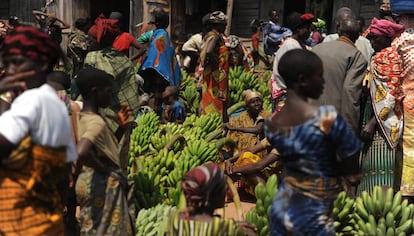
303 204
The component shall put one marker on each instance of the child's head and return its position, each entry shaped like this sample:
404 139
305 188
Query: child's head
170 94
302 71
59 80
95 84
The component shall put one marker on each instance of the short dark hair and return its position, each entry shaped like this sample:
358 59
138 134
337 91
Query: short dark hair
350 28
83 24
59 77
161 18
297 62
91 77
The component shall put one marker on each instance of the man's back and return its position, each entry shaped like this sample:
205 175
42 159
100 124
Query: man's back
344 67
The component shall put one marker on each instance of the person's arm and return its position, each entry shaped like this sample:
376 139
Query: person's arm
254 167
87 155
141 50
123 121
63 24
352 90
15 82
253 130
211 54
253 149
37 15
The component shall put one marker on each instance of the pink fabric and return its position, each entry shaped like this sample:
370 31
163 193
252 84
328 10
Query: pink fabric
386 28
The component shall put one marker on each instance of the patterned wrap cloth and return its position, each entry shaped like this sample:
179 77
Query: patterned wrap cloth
386 93
405 47
203 184
30 203
214 75
303 203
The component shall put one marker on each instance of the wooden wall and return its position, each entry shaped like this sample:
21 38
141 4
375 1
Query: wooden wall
20 8
244 11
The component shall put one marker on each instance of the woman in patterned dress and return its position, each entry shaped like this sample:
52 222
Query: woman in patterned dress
309 139
214 65
383 116
101 188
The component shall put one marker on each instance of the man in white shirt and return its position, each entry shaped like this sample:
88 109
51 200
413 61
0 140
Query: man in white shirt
35 138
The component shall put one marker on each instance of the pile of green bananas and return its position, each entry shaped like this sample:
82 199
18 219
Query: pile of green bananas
376 214
153 221
259 215
189 95
173 150
240 80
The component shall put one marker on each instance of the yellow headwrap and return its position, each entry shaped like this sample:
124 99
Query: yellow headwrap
249 95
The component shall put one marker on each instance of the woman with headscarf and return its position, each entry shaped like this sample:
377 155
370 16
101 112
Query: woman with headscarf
160 66
115 63
382 117
36 144
300 25
204 190
214 66
246 130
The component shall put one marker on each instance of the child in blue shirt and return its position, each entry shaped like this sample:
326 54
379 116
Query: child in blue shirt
172 109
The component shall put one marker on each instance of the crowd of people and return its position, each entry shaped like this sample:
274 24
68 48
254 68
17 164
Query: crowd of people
342 118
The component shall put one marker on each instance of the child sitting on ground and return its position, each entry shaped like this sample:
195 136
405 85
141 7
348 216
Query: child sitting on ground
172 109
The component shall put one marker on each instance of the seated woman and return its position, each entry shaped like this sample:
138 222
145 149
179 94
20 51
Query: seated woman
205 190
247 128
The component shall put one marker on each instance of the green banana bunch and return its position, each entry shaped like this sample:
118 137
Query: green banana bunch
149 120
146 192
343 208
202 150
382 214
152 221
259 215
139 139
209 122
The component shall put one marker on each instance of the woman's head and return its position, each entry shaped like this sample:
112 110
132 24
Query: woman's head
26 48
95 84
161 19
382 32
274 16
217 20
302 71
300 25
204 188
104 30
253 101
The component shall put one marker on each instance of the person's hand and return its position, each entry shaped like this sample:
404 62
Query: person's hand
122 117
222 96
15 82
228 167
247 228
227 126
367 132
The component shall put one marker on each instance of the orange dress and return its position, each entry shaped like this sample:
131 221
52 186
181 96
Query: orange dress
214 75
